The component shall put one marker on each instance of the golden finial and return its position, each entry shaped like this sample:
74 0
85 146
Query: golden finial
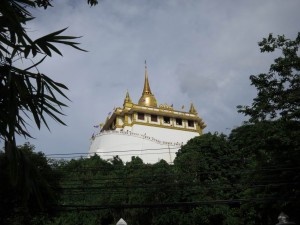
193 110
147 89
127 98
147 98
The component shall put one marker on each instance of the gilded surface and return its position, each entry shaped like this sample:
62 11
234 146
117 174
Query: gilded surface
147 99
148 105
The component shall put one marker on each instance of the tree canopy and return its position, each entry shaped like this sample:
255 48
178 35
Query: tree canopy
37 191
270 142
278 90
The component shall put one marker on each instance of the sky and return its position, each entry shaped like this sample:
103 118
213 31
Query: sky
197 51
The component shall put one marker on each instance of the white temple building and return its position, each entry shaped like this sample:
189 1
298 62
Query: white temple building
146 129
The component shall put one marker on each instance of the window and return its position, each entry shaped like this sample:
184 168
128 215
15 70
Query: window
153 118
166 119
190 123
141 116
178 121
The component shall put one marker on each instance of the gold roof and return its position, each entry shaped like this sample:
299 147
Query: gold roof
147 99
148 105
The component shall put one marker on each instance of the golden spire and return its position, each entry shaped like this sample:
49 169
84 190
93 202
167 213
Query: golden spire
127 98
147 89
193 110
147 98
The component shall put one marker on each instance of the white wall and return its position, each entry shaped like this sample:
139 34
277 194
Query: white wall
151 144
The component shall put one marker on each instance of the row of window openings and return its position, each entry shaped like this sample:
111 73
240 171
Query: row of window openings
166 119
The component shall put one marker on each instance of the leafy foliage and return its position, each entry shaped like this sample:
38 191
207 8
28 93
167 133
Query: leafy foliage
208 167
271 151
154 194
270 142
279 89
25 92
36 192
247 178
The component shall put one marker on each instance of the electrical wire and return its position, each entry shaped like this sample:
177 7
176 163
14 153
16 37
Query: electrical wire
162 205
99 152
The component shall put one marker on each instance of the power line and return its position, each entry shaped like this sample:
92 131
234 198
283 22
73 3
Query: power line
161 205
129 154
177 185
176 180
148 168
98 152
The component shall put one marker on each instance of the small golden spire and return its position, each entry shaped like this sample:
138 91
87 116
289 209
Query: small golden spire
147 99
193 110
127 98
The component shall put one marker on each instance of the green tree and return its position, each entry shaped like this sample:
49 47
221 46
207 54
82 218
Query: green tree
89 182
278 90
271 151
26 92
37 191
209 170
270 142
149 184
114 187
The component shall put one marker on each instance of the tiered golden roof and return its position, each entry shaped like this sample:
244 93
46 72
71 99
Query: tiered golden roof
147 105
